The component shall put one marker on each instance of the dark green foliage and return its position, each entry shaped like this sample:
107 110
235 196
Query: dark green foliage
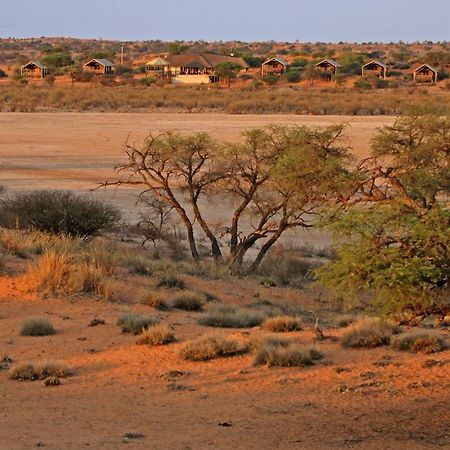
59 212
57 59
171 281
270 79
253 61
188 302
293 76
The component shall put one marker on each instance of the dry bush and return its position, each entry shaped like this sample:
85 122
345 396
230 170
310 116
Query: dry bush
282 324
103 255
211 347
140 265
419 343
136 323
344 320
154 300
159 334
227 316
369 332
171 281
39 370
188 302
22 243
282 353
37 327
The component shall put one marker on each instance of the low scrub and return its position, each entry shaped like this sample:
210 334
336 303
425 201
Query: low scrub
188 302
159 334
369 332
39 370
154 300
227 316
211 347
136 323
282 324
283 353
419 343
37 327
171 281
58 212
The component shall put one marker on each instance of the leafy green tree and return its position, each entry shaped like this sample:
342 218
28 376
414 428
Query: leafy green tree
227 70
393 233
54 60
176 48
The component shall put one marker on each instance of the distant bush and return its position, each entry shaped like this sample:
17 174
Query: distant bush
285 354
293 76
148 81
59 212
136 323
188 302
226 316
39 371
363 83
211 347
270 79
369 332
419 343
159 334
281 324
37 327
171 281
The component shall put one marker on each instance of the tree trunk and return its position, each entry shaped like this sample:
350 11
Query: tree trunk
264 249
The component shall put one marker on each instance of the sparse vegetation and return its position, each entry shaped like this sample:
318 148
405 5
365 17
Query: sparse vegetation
159 334
369 332
155 300
39 370
188 302
419 343
282 353
136 323
37 327
171 281
282 324
211 347
227 316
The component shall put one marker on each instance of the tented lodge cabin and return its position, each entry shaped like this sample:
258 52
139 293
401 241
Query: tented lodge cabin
190 68
327 69
99 67
34 69
425 74
274 66
375 69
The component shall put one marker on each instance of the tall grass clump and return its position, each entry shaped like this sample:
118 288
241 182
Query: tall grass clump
282 324
159 334
171 281
419 343
136 323
210 347
188 302
369 332
154 300
39 370
227 316
37 327
283 353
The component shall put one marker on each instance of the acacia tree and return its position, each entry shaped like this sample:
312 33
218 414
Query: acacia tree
395 220
227 70
278 176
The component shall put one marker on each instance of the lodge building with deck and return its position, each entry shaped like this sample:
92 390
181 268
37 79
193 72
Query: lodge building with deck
34 70
274 66
375 69
99 67
425 74
327 69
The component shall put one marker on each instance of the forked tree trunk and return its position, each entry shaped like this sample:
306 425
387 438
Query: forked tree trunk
264 249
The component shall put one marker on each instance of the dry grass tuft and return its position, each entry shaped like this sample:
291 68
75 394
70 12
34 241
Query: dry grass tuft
39 370
171 281
37 327
136 323
282 324
419 343
188 302
227 316
282 353
369 332
159 334
211 347
154 300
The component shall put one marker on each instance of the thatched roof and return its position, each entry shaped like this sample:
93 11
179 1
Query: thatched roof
331 62
34 63
426 66
102 61
375 62
278 59
158 62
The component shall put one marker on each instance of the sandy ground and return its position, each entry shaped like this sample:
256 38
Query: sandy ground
347 401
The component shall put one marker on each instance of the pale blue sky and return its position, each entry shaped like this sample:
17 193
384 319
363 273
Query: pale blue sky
248 20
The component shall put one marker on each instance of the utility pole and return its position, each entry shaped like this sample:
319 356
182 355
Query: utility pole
121 55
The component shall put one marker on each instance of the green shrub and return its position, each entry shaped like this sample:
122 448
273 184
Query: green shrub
188 302
285 354
227 316
270 79
210 347
159 334
293 76
281 324
39 371
37 327
419 343
136 323
59 212
369 332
